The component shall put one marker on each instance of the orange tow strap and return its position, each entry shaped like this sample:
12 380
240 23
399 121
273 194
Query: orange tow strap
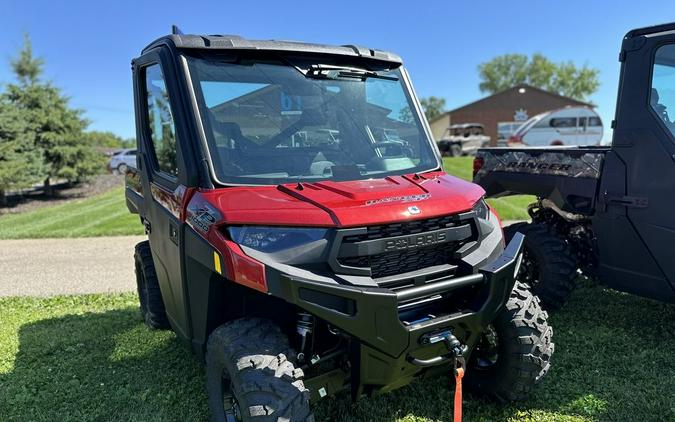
459 373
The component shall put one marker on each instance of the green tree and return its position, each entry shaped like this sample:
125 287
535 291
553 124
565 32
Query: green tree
20 161
106 139
433 107
56 128
506 71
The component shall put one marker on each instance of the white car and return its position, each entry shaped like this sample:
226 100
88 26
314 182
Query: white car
564 126
122 159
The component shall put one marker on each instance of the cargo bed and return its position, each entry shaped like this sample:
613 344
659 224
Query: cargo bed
569 176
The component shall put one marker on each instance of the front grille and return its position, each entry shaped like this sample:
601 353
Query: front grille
399 262
396 262
402 229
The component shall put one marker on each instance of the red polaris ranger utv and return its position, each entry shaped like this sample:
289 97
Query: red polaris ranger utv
303 238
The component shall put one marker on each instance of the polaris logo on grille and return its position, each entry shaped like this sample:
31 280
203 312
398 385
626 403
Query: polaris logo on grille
415 241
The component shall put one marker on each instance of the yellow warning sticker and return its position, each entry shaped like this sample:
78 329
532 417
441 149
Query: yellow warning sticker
216 262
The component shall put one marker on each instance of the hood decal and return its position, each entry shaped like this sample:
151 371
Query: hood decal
406 198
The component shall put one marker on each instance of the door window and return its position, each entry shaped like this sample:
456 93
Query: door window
594 121
160 121
563 122
662 96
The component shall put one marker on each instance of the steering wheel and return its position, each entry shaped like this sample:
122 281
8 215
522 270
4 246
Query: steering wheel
399 149
307 117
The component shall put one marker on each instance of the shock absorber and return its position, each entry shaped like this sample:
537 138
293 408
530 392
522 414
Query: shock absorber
304 328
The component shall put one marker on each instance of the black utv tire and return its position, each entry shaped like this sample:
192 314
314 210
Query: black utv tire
548 267
251 375
455 150
149 295
514 353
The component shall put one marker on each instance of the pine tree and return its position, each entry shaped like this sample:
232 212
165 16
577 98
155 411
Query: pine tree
57 129
20 162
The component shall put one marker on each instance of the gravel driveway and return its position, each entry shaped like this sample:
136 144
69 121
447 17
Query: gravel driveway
46 267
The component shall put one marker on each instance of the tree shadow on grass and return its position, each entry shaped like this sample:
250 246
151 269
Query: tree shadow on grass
101 366
613 361
60 192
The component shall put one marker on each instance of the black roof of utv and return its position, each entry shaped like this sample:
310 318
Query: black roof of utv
235 42
650 30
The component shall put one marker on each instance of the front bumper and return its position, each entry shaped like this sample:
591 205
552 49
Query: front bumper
371 315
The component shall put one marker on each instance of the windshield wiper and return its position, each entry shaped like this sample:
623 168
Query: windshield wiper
320 71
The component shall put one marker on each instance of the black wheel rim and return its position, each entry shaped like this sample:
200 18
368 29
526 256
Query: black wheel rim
486 353
529 270
230 404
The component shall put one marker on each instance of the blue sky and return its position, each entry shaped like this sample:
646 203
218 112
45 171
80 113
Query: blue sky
88 47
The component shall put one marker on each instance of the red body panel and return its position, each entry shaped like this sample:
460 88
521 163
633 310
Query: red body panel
329 204
345 204
240 268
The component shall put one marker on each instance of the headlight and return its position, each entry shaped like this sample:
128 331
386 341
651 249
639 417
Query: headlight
274 239
482 209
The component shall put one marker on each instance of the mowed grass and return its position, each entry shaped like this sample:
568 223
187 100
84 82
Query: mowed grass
102 215
107 214
508 208
90 358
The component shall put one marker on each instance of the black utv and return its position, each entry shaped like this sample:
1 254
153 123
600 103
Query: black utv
303 238
606 211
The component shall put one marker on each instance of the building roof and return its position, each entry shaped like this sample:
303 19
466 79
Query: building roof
509 90
235 42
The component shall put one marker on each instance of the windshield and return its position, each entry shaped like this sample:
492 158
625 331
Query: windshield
268 123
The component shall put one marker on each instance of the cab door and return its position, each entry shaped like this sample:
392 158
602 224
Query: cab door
640 200
160 155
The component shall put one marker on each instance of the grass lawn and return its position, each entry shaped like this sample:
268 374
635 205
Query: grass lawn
107 214
86 358
101 215
508 208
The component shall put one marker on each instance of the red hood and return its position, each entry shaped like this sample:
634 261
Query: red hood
345 204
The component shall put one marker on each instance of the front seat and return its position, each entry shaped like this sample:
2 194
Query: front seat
658 107
228 134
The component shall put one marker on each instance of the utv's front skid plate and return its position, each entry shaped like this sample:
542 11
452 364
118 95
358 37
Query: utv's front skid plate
390 351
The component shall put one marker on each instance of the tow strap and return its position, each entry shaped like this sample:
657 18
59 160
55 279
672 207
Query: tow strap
459 368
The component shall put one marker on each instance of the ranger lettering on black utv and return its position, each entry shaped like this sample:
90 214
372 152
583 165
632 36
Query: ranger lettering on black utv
533 165
289 249
581 163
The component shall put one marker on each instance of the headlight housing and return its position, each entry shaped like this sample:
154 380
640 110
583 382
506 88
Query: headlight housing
274 239
482 209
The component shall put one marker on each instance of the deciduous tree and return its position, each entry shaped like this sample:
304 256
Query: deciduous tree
506 71
433 107
106 140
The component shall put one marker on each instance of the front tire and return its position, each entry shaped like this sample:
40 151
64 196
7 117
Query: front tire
251 375
548 265
514 353
149 295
